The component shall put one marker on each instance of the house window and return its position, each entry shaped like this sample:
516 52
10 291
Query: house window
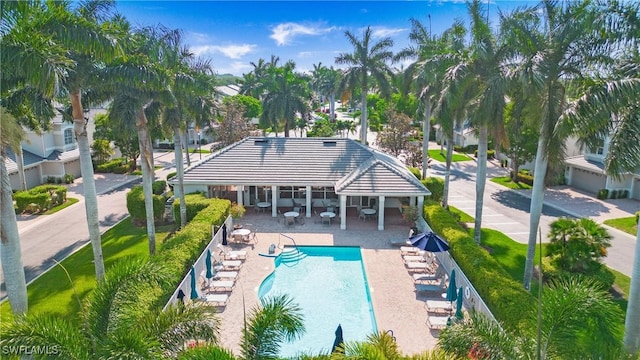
600 150
68 137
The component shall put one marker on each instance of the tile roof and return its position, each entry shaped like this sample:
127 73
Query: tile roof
29 159
583 163
344 163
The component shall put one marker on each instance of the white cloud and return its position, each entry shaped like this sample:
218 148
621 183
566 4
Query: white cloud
381 31
284 33
232 51
236 68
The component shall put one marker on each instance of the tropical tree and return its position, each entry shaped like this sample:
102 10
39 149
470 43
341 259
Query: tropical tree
285 96
576 245
11 134
113 324
610 111
142 87
393 138
575 311
522 142
557 53
369 59
278 319
232 126
326 81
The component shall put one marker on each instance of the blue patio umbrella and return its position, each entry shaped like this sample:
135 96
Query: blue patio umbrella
452 290
339 339
429 241
194 290
224 234
207 262
459 315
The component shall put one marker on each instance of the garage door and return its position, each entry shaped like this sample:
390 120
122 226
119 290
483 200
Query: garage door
73 168
588 180
636 189
32 177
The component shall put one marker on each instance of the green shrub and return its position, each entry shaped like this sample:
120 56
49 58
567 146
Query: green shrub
169 176
602 194
112 166
637 217
159 187
416 172
614 194
69 178
58 193
136 208
602 275
196 202
436 186
504 296
491 154
36 202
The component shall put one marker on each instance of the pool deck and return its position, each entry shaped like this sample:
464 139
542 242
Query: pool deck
396 305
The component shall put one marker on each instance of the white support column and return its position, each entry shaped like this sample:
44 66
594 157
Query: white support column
308 201
343 212
412 201
239 190
381 212
420 205
274 201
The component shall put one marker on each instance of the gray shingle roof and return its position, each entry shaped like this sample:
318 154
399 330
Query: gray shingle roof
29 159
344 163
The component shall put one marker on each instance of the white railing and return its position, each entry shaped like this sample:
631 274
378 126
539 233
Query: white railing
472 299
200 264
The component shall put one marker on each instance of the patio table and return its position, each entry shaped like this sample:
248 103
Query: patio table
263 205
241 234
369 213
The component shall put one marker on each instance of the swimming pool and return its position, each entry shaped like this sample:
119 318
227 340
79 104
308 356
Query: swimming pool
330 286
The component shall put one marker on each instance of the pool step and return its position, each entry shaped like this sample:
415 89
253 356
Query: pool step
291 255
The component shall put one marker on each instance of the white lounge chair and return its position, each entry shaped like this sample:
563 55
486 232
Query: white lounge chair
410 250
227 275
432 287
226 265
420 266
415 258
221 286
429 277
437 322
218 300
229 254
438 306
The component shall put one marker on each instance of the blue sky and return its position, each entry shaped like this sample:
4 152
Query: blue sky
234 33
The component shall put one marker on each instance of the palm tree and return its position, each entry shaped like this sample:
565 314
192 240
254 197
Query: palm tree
610 110
141 84
114 324
552 60
11 134
278 319
285 95
576 311
367 60
327 82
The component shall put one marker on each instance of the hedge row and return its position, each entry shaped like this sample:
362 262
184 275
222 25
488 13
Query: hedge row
196 202
116 166
136 207
506 298
436 186
40 198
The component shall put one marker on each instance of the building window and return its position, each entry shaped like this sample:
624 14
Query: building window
68 137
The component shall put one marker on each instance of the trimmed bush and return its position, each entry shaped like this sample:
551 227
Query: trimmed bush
69 178
436 186
136 208
40 198
159 187
169 176
637 217
113 166
602 194
196 202
416 172
505 297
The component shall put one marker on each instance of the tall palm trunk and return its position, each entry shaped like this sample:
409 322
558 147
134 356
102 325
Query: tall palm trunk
364 126
146 164
179 190
20 162
631 324
481 179
332 107
186 145
426 132
88 182
10 254
537 197
447 173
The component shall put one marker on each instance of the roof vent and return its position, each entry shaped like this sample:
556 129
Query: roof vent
329 143
260 141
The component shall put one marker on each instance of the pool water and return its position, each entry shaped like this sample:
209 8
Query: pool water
330 286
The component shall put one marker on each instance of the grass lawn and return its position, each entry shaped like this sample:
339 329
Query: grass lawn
436 155
201 151
508 252
506 181
464 217
66 204
52 293
627 224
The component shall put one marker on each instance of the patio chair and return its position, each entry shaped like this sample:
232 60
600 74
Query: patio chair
217 300
226 264
438 306
421 278
432 287
438 322
228 254
218 286
421 266
416 258
227 275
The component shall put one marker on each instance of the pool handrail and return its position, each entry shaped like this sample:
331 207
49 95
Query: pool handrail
290 238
